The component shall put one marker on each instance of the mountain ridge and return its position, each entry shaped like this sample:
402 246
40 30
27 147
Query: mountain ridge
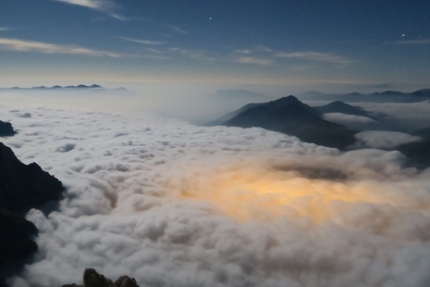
290 116
386 96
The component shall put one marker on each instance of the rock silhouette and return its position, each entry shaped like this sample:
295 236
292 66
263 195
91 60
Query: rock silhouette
22 187
94 279
6 129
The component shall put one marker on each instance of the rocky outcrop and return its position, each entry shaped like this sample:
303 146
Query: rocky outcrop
6 129
23 187
16 242
94 279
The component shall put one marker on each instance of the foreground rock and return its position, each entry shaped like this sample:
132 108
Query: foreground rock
23 187
16 242
6 129
94 279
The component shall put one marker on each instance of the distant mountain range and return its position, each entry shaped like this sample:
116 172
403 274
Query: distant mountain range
93 87
387 96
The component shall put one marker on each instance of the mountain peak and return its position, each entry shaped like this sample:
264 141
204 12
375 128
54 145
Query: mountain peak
288 99
290 116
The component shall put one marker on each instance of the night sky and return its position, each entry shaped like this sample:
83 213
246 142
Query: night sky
306 43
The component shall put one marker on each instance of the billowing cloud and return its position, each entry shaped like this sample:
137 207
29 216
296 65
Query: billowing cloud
409 116
314 56
173 204
254 61
144 42
384 139
47 48
106 6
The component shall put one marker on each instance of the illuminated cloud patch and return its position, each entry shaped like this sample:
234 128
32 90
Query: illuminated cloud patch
178 205
106 6
47 48
254 61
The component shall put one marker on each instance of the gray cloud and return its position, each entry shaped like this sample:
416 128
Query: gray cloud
314 56
254 61
345 119
144 42
176 29
419 42
178 205
384 139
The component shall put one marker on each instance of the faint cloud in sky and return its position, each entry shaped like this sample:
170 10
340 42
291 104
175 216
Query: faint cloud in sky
144 42
4 29
412 42
243 51
255 61
314 56
47 48
106 6
176 29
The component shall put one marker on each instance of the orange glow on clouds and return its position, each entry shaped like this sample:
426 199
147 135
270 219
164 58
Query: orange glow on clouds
252 193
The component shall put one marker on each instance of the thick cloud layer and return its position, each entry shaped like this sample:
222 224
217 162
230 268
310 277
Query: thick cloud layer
177 205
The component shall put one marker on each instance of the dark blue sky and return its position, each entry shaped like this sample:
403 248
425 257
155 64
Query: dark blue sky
267 42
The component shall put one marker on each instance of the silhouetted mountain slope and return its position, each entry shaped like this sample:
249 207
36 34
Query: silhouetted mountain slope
22 187
290 116
6 129
16 242
418 153
387 96
226 117
424 133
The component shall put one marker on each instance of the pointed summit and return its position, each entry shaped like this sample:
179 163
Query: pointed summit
290 116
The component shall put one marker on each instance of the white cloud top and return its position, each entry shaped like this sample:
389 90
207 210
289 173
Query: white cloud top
178 205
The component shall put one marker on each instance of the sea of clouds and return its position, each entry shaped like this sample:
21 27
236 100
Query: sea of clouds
173 204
